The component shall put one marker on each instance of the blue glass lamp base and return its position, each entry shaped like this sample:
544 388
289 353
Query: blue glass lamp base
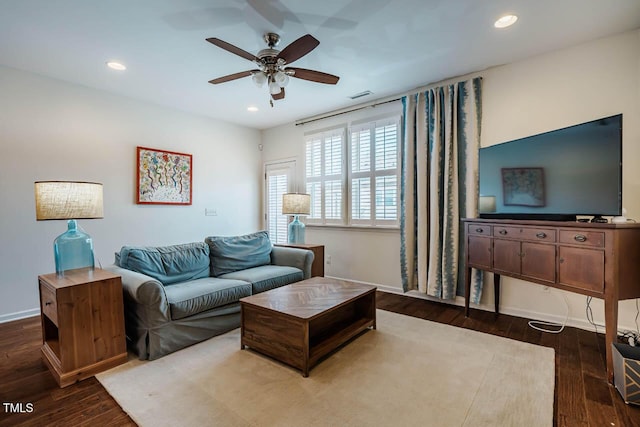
73 249
296 231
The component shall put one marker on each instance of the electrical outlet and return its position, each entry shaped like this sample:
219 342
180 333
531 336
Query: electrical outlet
210 212
328 259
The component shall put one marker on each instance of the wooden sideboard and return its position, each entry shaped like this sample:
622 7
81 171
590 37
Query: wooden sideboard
593 259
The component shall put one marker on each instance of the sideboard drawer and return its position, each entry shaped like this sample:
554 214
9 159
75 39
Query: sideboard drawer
524 233
539 234
479 229
593 239
507 232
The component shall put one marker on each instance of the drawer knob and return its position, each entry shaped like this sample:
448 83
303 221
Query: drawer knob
48 303
478 230
503 232
580 238
541 235
561 260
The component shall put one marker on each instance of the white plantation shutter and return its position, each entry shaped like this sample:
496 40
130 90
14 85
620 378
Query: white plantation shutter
386 142
358 184
325 176
361 198
314 189
313 164
333 199
278 181
387 197
374 189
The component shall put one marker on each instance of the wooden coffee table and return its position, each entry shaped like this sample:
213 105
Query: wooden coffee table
300 323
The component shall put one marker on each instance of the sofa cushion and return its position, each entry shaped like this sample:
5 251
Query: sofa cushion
234 253
267 277
167 264
193 297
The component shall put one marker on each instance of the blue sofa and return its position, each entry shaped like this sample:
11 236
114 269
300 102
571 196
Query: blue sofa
176 296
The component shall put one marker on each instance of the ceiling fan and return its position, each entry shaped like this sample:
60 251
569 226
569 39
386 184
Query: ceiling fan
273 66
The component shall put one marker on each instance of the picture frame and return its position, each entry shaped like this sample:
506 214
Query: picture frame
523 186
163 177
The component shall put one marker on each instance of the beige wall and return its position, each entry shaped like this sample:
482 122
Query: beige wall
547 92
51 130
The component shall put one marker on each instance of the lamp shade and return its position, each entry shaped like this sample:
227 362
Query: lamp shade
296 204
68 200
487 204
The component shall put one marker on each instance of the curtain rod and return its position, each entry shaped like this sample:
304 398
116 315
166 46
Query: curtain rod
393 99
350 110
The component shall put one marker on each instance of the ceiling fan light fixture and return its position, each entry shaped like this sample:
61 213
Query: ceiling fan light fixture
280 77
274 88
259 79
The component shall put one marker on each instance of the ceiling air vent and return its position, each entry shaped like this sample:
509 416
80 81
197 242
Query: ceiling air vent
361 94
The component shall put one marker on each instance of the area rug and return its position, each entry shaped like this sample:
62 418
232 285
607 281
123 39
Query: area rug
408 372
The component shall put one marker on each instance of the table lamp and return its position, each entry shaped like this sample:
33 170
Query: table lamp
296 204
70 200
487 204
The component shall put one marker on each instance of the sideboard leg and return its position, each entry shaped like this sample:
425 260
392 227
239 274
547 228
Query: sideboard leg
496 292
611 330
467 291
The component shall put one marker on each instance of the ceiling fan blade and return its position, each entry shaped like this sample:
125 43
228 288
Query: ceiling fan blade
299 48
279 95
314 76
233 49
233 76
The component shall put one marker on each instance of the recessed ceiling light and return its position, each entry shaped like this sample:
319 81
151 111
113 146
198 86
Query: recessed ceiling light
252 109
116 66
505 21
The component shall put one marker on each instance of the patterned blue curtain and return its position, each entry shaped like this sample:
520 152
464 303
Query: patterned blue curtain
439 186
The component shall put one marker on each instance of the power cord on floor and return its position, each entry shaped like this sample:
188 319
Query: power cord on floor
539 325
630 337
589 314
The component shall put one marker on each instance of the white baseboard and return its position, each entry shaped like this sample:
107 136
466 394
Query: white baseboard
19 315
526 314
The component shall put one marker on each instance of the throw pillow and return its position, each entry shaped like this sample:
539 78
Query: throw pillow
168 264
234 253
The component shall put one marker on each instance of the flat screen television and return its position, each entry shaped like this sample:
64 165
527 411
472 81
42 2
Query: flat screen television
557 175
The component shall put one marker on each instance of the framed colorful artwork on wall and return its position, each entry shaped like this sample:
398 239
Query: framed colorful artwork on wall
164 177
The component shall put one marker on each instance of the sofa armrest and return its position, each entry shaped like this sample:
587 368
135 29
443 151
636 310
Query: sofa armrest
145 295
293 257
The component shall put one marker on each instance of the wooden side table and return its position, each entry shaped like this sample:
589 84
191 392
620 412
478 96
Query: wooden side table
82 316
317 268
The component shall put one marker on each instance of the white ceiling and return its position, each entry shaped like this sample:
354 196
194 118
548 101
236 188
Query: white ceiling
385 46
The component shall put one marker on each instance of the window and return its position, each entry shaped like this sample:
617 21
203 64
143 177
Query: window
325 176
365 193
373 177
278 180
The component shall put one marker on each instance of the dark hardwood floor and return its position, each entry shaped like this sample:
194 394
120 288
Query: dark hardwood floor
582 395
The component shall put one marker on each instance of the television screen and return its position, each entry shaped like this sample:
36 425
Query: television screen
555 175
